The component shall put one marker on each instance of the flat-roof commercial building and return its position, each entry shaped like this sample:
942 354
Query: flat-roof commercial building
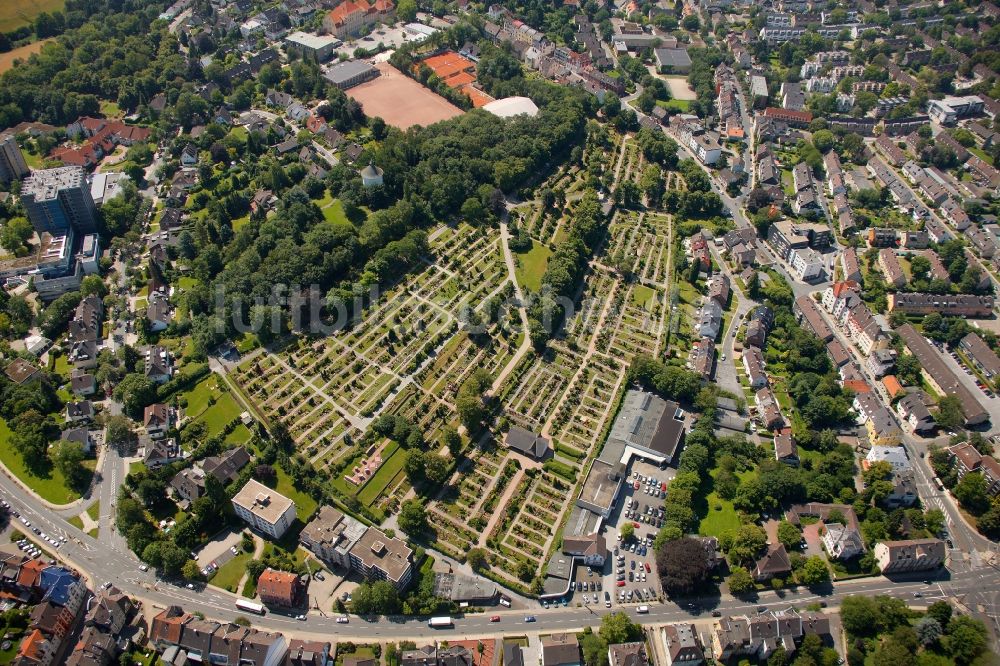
264 509
318 48
940 376
351 73
676 61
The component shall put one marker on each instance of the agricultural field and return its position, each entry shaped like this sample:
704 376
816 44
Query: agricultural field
17 13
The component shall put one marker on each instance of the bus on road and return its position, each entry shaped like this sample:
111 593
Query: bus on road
440 622
250 606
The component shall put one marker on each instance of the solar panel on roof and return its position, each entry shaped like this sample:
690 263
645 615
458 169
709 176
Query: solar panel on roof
646 398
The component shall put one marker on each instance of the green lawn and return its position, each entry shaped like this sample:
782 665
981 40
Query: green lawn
391 466
62 366
981 154
198 397
679 105
94 510
643 296
241 435
304 504
531 266
186 283
76 522
50 487
335 213
719 514
218 415
110 109
240 221
247 343
231 573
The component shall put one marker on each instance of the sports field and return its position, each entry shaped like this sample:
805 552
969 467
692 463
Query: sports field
400 101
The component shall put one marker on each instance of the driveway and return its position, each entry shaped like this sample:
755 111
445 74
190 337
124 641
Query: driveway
814 543
217 550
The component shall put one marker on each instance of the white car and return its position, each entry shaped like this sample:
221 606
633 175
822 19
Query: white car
343 619
143 567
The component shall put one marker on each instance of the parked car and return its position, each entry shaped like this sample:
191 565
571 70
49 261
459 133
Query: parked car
495 618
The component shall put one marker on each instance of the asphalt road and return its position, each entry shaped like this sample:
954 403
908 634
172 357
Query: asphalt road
103 562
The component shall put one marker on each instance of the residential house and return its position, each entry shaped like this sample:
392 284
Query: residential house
83 354
682 645
955 305
850 266
913 410
912 555
758 636
159 452
280 588
158 419
785 449
79 411
774 563
709 321
881 362
891 268
80 436
894 455
753 365
807 312
83 384
718 288
842 542
561 650
904 491
159 366
627 654
379 557
768 410
940 376
981 356
331 534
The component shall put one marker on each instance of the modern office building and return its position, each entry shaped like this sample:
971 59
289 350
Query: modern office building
58 200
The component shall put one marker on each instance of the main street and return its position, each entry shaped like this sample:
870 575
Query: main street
102 562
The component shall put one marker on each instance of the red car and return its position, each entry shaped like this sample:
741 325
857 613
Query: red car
621 583
648 570
635 525
635 485
495 618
